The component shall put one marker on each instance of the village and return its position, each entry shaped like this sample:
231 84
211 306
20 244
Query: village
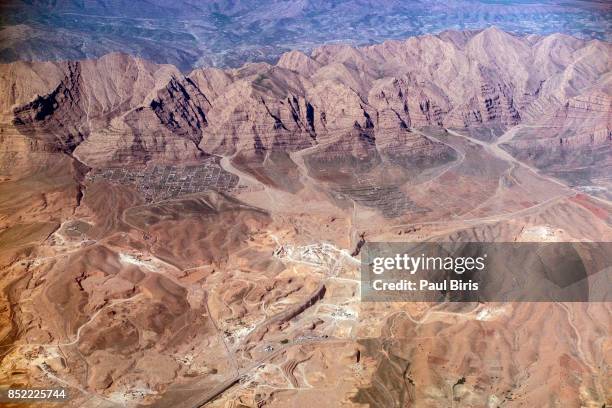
162 182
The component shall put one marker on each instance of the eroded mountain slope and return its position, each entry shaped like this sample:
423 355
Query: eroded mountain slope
119 107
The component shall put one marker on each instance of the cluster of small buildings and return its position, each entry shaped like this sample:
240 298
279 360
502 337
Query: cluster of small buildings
162 182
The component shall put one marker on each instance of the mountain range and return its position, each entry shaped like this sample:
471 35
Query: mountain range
122 108
227 33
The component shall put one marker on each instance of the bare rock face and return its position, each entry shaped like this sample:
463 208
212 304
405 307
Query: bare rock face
388 97
22 82
299 62
211 81
480 80
58 116
573 141
181 107
89 108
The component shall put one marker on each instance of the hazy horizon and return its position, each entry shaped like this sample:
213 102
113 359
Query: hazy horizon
229 34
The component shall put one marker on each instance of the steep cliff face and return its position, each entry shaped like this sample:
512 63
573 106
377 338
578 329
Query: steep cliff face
124 108
260 109
388 97
22 82
573 141
86 110
56 117
299 62
182 107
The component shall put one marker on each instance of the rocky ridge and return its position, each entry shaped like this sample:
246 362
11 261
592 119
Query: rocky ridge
123 108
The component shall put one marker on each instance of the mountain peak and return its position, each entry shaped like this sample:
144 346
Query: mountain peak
299 62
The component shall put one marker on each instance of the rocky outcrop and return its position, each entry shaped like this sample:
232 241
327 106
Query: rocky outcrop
58 116
181 107
299 62
573 141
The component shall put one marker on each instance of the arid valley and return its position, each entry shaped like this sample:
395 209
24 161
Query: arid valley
187 239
